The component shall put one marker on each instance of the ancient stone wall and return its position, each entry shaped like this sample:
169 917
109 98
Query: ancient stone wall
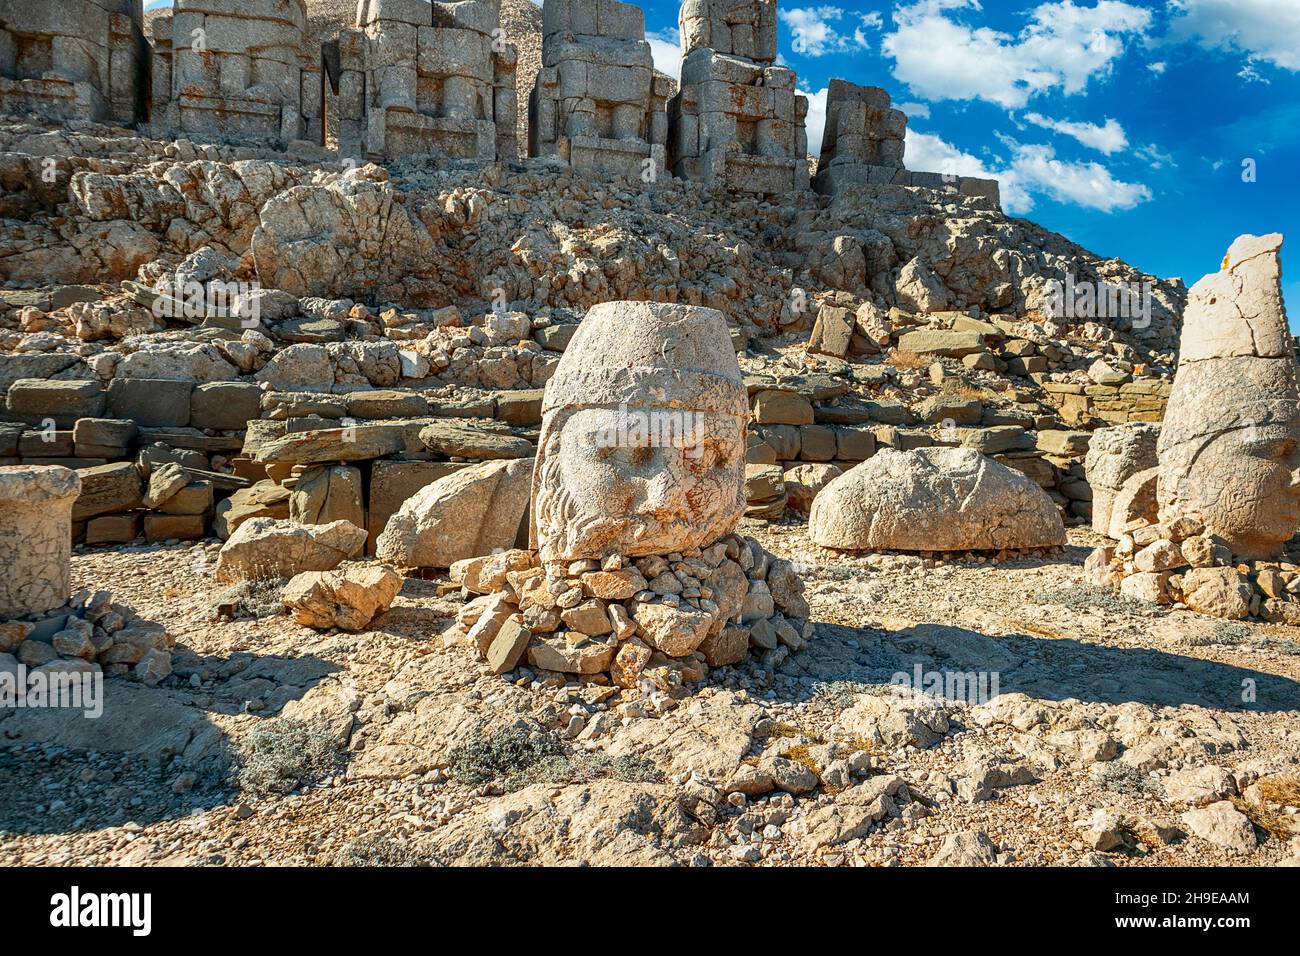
597 102
863 144
236 69
73 59
418 78
736 119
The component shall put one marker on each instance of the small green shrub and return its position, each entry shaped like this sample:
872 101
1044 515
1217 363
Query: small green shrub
281 755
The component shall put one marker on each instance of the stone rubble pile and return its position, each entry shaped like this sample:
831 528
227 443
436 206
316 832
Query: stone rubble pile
88 633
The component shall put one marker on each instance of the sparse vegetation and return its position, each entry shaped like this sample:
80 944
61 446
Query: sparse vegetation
1086 597
282 755
513 759
378 850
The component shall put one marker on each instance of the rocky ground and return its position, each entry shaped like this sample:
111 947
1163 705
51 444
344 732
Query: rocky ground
1120 736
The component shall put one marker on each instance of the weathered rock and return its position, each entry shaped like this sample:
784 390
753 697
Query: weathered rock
36 504
265 548
934 499
1221 592
1223 825
471 512
264 499
1230 444
677 631
347 598
1114 456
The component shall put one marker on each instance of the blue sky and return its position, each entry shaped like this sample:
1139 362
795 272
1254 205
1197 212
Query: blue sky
1123 124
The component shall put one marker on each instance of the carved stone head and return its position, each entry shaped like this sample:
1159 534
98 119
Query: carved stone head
643 435
1229 448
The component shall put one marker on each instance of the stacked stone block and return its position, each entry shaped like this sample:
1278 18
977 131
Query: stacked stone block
736 120
863 144
73 59
236 69
419 78
597 102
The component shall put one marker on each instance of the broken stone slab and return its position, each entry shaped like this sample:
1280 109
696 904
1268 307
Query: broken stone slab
151 402
326 494
36 401
352 443
263 499
455 439
264 548
393 482
471 512
106 489
225 406
348 598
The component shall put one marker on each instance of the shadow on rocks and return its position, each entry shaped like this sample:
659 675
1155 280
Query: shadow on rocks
155 753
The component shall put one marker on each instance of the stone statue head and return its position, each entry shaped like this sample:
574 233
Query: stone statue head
1229 448
643 435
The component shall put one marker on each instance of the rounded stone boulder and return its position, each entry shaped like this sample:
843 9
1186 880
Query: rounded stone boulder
934 499
35 537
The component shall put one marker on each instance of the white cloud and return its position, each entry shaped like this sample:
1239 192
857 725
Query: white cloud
665 47
1033 170
1266 30
1158 67
1107 138
815 124
1061 46
812 32
1090 185
914 110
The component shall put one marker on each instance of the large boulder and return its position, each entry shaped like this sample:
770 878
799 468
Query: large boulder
934 499
35 537
264 548
472 512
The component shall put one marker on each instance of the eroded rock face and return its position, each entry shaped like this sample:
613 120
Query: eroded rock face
1229 449
35 537
1114 456
265 548
643 435
473 512
934 499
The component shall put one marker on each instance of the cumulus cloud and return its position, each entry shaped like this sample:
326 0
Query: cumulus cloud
1033 170
665 47
1062 46
1158 67
914 110
1268 31
1107 138
815 124
816 31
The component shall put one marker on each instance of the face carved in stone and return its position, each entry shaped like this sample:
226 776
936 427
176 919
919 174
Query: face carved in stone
643 436
1245 482
602 497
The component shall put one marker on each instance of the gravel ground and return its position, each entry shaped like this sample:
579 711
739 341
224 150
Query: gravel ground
1106 710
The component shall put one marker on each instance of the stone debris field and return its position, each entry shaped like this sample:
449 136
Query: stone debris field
430 435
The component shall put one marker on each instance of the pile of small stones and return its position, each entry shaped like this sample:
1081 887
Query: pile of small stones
1180 562
648 623
89 634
